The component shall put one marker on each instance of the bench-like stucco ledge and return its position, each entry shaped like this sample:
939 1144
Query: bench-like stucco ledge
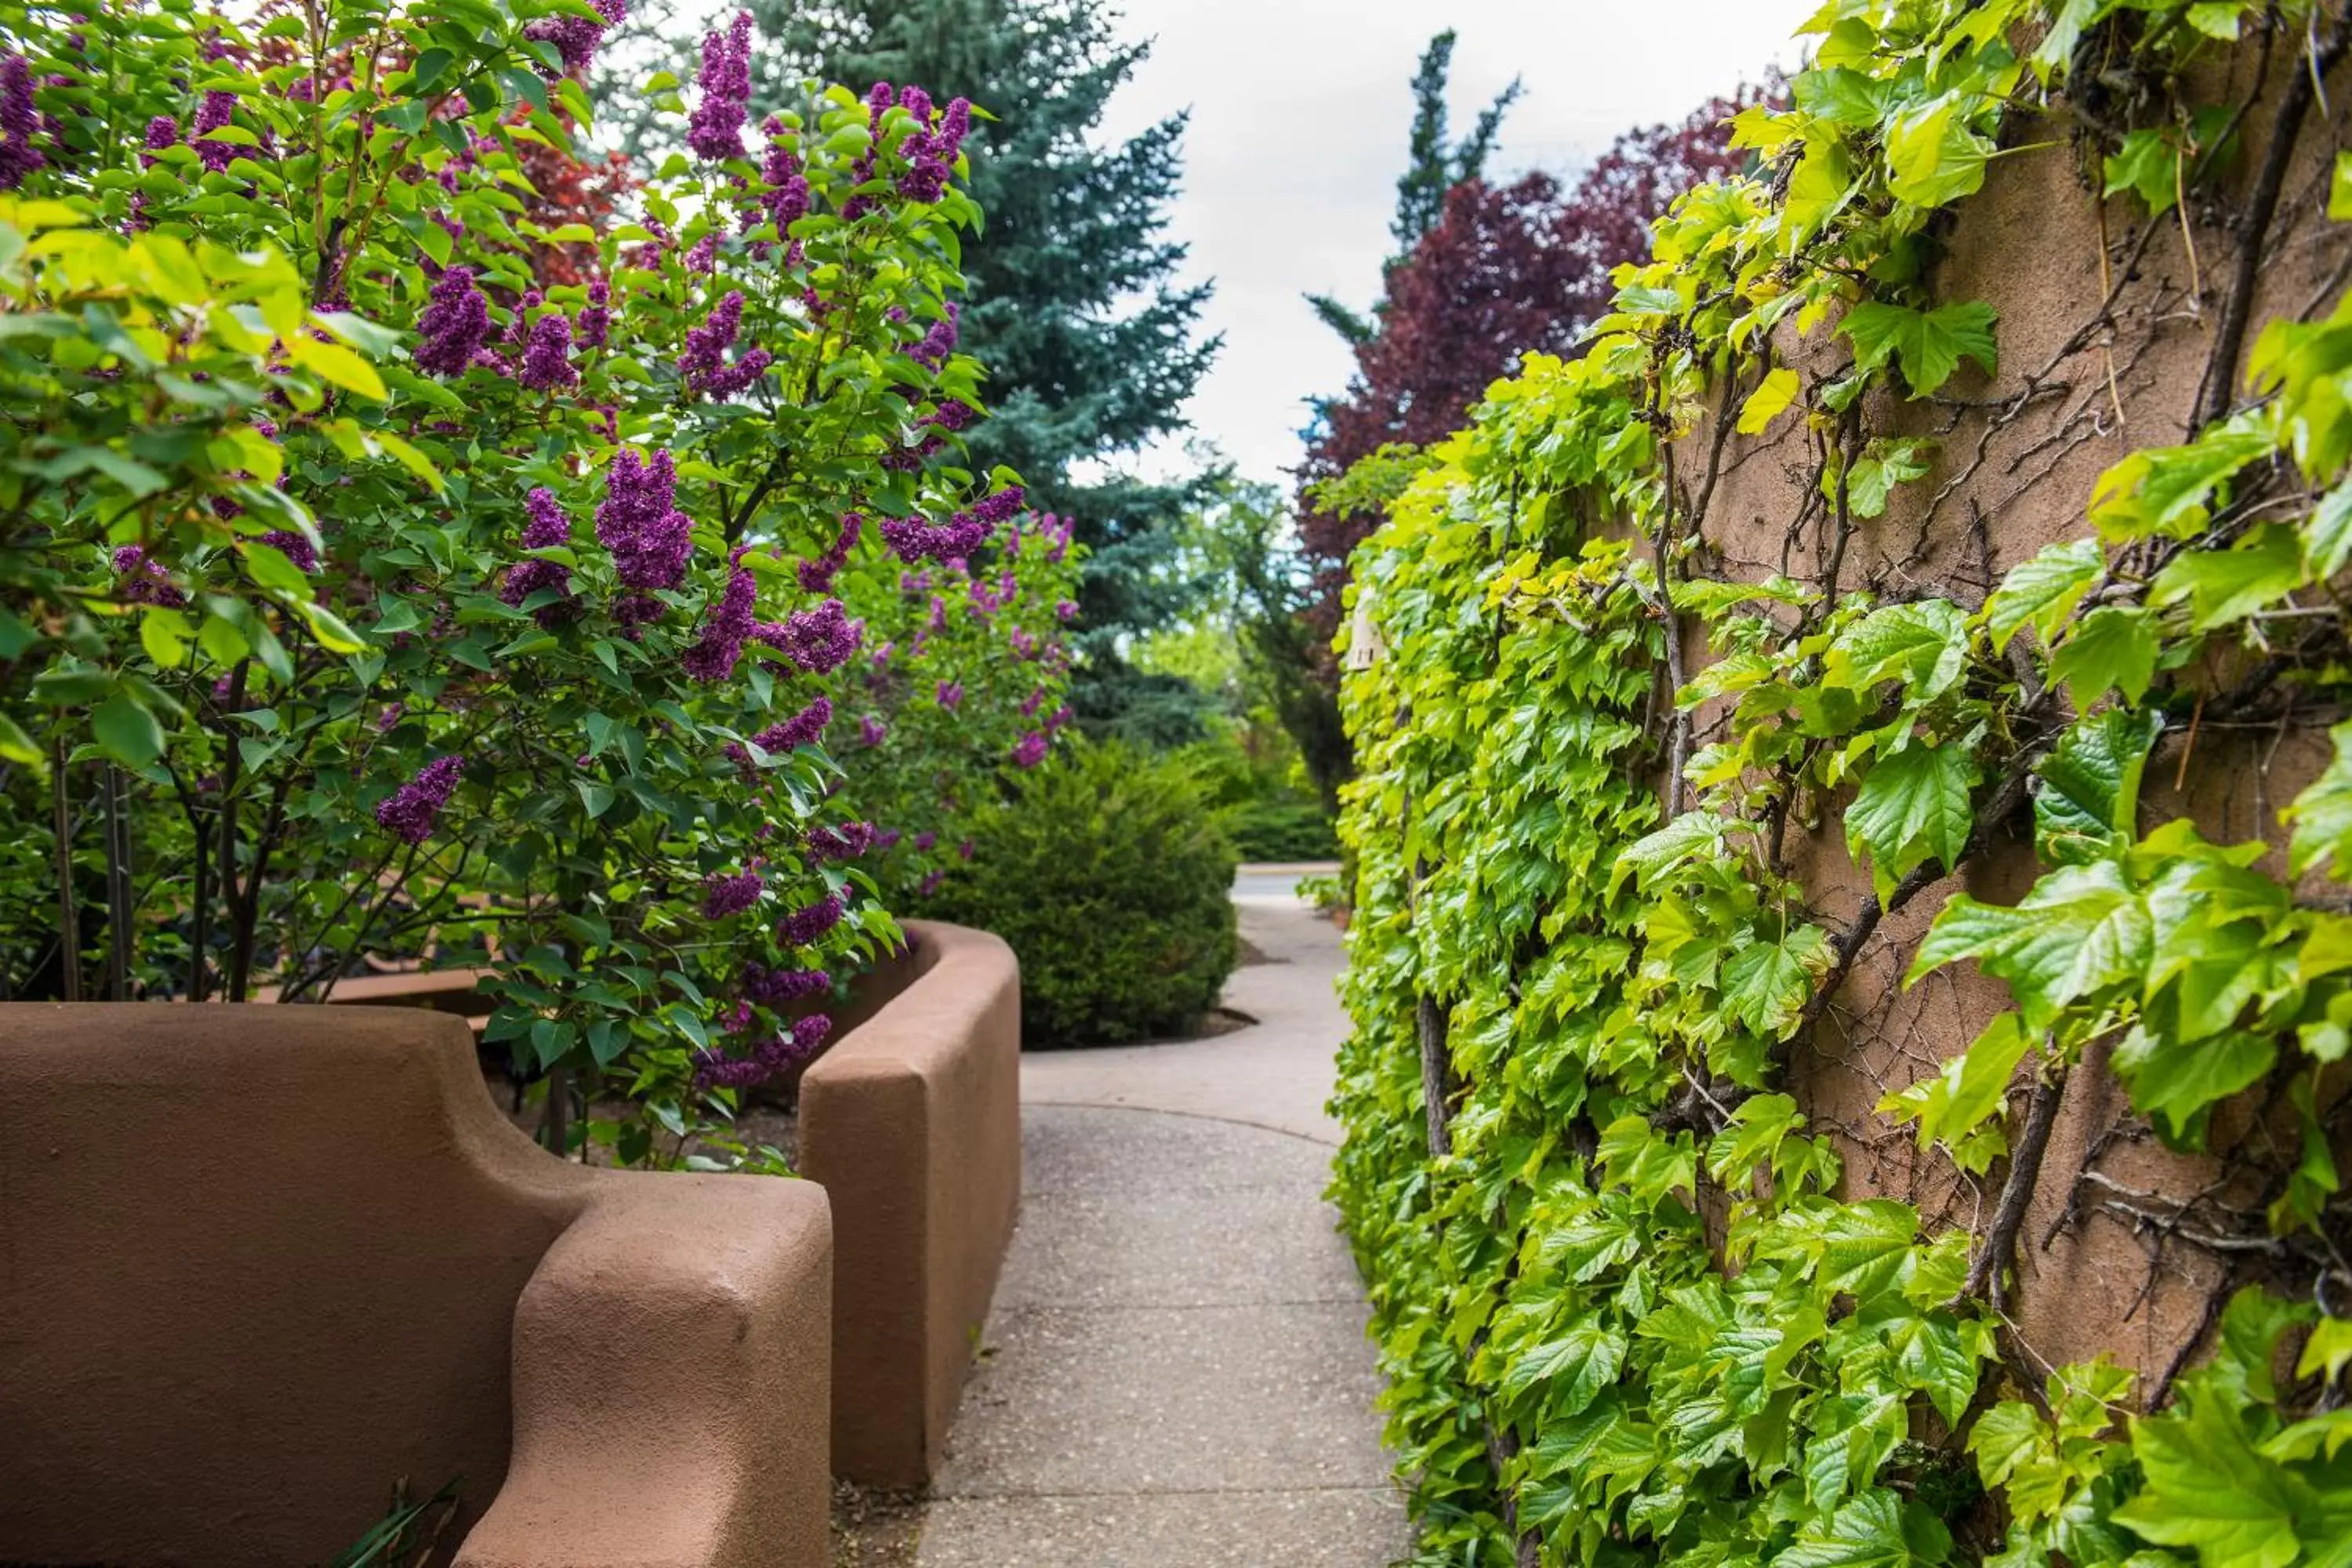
261 1265
911 1123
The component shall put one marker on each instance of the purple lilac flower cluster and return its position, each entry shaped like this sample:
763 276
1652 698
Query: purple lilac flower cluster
803 926
547 357
716 1069
294 547
784 195
703 362
930 151
716 129
1030 750
162 132
19 120
408 812
987 599
213 114
780 987
816 640
872 731
914 539
725 630
144 581
548 529
846 842
454 324
805 728
650 539
576 37
817 575
724 895
940 340
596 316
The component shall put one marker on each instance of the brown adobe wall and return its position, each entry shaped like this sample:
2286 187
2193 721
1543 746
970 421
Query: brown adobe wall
2019 454
258 1265
911 1123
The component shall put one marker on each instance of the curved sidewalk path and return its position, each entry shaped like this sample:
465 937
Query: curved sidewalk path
1175 1373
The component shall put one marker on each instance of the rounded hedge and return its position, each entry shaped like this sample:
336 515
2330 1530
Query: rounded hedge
1112 879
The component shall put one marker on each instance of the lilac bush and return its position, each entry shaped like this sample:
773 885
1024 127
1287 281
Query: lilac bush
499 578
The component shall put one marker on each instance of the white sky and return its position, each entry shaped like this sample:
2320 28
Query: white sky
1300 110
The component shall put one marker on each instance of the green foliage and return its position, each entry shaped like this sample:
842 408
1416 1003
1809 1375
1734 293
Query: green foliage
1625 1310
1110 877
262 562
1282 830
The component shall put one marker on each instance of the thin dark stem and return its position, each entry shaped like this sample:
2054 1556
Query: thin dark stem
2237 309
1430 1026
232 769
1984 1280
118 885
69 916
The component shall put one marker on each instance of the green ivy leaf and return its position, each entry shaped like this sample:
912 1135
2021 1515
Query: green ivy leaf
2086 802
1766 983
1885 465
1951 1104
2114 648
2175 1081
1873 1531
1929 344
2224 586
2148 165
2171 490
1912 809
2078 928
1924 646
2042 591
1752 1136
1650 860
1933 157
2322 814
1866 1247
1929 1358
2206 1487
1577 1366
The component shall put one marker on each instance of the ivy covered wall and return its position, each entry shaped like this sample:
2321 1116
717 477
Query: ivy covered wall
1848 966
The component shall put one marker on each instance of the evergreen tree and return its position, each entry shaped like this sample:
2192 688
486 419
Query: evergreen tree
1092 344
1433 165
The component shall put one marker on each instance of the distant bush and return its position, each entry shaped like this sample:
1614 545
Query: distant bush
1111 878
1283 830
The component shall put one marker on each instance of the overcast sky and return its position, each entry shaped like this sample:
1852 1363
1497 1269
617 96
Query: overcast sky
1300 109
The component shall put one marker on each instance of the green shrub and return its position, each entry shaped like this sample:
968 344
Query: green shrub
1280 830
1112 879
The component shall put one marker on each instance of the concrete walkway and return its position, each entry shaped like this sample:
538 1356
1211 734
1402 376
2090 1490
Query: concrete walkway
1175 1373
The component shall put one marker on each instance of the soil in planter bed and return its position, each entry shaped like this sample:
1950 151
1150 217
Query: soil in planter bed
755 1125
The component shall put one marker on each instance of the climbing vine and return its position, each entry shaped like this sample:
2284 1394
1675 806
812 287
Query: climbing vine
1633 1303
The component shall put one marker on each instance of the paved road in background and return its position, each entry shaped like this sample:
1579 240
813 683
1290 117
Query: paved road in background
1175 1375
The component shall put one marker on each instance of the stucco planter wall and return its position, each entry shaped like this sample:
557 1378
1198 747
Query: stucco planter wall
257 1264
911 1123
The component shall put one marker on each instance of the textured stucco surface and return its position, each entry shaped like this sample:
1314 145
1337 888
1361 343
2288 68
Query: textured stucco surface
258 1265
911 1123
2018 459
